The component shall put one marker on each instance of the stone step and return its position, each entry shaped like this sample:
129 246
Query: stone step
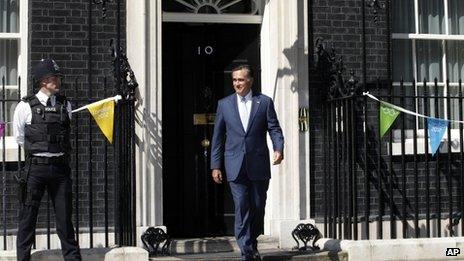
266 255
216 244
92 254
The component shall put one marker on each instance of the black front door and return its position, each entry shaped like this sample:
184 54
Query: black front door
197 63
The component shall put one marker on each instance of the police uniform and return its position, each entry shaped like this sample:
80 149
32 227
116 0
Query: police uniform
41 125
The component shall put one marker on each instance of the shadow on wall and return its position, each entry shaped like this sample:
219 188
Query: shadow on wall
152 124
290 70
293 54
149 144
381 172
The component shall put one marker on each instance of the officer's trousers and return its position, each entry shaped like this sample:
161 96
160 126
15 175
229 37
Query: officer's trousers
55 178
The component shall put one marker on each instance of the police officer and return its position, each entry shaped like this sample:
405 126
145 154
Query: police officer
41 124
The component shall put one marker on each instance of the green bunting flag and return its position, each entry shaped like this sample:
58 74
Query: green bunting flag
387 117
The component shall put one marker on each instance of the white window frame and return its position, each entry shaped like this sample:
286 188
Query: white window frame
212 18
23 56
227 18
396 145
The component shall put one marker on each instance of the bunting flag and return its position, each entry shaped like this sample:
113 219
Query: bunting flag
437 128
2 129
388 116
103 113
404 110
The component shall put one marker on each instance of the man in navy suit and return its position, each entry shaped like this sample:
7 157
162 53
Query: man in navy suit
239 141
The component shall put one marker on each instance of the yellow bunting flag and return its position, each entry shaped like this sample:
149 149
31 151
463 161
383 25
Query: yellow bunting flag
103 113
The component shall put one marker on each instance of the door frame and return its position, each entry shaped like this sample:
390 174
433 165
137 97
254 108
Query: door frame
144 49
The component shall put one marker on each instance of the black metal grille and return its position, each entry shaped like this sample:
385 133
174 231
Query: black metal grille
395 179
85 192
103 174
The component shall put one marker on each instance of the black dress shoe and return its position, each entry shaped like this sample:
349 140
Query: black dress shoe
256 255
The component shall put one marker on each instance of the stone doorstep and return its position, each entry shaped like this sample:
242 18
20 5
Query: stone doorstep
216 244
92 254
225 248
396 249
266 255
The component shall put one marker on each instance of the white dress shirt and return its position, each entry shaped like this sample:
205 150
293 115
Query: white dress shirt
244 108
23 115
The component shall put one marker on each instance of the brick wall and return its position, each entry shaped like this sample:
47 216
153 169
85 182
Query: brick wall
340 22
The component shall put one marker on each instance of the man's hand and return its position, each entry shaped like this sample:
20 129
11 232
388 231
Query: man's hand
278 157
217 176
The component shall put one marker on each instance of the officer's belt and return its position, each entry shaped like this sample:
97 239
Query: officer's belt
49 138
48 160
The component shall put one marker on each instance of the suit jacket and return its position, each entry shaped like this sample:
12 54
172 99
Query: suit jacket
232 144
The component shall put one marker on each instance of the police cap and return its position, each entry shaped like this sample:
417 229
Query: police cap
46 67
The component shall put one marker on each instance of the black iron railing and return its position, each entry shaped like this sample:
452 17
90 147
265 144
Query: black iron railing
103 174
372 182
125 147
91 161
